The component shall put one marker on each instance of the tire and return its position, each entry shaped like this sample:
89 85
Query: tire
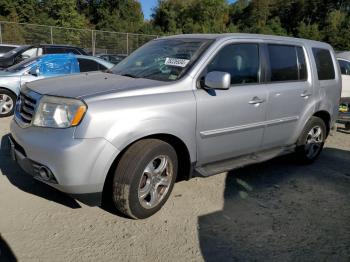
7 103
347 126
139 172
309 145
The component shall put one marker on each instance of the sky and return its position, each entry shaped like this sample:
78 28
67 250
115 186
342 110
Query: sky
148 5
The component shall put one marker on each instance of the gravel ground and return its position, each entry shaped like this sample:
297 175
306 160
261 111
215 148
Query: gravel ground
275 211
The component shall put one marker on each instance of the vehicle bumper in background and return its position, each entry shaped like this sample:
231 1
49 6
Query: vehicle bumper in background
344 110
75 166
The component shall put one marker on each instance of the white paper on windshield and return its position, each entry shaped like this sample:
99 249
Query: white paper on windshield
176 62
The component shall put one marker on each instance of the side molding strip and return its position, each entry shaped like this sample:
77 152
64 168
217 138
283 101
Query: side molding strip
223 131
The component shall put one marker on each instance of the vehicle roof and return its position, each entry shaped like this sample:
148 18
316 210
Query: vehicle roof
344 55
230 36
11 45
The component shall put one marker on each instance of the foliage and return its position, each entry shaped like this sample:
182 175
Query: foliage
313 19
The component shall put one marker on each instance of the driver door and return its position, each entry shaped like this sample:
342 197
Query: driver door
230 122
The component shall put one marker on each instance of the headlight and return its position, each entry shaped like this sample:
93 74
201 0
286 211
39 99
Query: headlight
59 112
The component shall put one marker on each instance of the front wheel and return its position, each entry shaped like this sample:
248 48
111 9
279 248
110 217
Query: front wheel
311 141
7 103
144 178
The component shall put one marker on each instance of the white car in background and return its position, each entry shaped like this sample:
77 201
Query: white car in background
344 114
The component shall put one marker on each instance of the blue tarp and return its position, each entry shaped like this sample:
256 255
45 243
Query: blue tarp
58 64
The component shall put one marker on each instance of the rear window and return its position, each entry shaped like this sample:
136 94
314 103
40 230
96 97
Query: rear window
283 63
324 64
344 67
72 50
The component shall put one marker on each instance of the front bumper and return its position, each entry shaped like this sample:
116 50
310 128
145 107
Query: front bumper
78 166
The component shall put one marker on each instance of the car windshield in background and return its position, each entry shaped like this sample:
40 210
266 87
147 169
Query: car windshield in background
15 51
164 60
5 49
22 65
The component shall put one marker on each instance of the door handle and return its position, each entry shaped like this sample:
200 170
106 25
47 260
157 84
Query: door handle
256 100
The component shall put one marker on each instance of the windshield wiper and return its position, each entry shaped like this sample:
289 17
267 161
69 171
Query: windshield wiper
129 75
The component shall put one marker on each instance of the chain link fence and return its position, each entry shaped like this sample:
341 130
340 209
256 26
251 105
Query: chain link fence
94 41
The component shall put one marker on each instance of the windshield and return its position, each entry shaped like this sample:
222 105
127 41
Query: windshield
15 51
164 60
22 65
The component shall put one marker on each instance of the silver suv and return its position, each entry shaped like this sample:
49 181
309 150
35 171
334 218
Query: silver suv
178 106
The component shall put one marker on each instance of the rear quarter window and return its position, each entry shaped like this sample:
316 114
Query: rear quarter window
324 64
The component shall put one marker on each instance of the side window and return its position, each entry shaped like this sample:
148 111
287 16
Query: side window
324 64
54 50
344 67
283 62
301 63
87 65
73 51
239 60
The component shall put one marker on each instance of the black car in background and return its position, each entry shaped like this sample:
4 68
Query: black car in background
28 51
112 58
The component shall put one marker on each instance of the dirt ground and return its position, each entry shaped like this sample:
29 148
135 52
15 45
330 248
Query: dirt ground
275 211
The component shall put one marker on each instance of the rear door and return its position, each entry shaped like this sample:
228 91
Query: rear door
231 122
289 92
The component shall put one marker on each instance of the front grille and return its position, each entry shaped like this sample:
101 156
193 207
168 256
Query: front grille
25 107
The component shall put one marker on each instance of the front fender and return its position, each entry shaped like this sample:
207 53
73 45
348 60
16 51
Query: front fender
125 120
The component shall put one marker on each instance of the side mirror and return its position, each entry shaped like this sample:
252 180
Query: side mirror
34 71
218 80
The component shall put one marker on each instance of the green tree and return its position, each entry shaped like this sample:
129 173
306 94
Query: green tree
309 31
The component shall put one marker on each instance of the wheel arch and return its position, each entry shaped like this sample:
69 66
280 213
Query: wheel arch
184 160
8 89
326 117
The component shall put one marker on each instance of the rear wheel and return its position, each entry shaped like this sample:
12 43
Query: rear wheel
7 103
144 178
311 141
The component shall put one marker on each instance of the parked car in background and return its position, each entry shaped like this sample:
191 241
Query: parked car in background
202 103
4 48
344 108
12 78
24 52
113 58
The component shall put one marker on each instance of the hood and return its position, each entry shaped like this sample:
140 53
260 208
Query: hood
5 73
89 84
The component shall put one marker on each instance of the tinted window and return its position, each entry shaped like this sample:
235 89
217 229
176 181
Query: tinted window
101 67
301 64
73 51
344 67
241 61
54 50
87 65
5 49
283 62
324 64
